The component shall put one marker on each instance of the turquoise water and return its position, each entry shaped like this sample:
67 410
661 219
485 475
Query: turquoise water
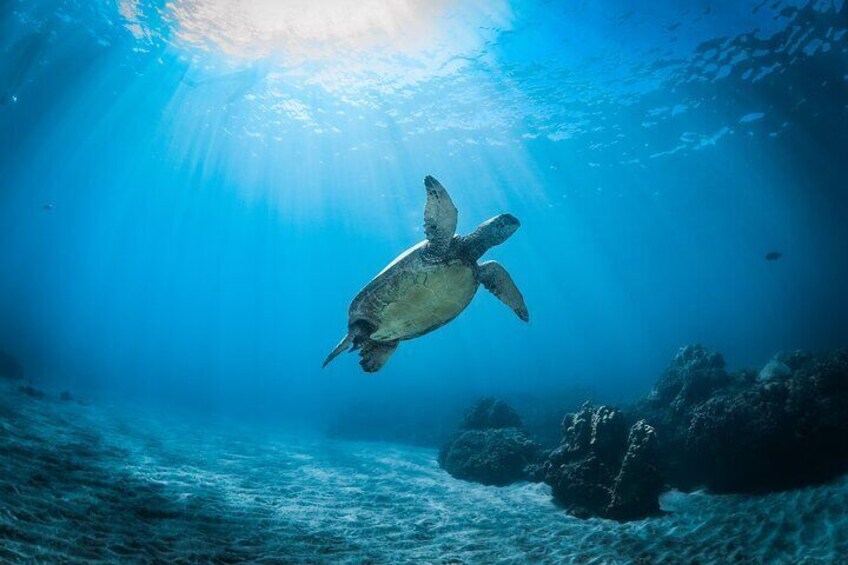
193 192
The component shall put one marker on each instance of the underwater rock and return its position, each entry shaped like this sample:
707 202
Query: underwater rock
602 469
581 487
785 428
778 434
693 375
774 370
31 391
495 457
639 483
600 431
10 368
490 413
491 448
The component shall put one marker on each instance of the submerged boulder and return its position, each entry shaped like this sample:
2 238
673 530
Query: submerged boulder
10 367
491 447
491 457
604 469
31 391
490 413
774 370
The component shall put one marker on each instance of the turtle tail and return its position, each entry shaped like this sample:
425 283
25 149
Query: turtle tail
346 342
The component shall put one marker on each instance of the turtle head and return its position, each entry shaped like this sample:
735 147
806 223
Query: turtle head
489 234
505 225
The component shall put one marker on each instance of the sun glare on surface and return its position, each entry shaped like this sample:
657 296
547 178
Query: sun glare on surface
302 30
396 40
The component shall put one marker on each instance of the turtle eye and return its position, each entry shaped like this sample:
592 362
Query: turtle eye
508 220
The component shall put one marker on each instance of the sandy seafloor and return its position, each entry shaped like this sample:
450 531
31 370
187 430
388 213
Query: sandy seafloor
94 484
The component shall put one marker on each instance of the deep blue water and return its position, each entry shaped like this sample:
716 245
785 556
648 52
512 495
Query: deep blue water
192 192
215 210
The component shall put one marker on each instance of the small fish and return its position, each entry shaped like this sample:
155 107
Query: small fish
773 255
47 206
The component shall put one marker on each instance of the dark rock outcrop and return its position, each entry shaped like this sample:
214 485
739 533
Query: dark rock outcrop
693 376
491 448
602 469
782 427
639 482
490 413
10 368
30 391
491 457
747 431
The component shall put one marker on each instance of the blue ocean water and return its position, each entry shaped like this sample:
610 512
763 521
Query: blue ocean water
193 191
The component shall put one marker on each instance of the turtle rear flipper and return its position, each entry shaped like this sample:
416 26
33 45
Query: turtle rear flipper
375 354
440 217
497 281
346 342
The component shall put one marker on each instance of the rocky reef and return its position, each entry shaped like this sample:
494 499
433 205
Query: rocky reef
782 427
491 447
603 467
701 426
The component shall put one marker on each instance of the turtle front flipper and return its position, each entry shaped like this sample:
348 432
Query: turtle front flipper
497 281
375 354
440 217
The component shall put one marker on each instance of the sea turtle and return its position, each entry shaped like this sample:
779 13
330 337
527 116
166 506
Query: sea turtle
429 284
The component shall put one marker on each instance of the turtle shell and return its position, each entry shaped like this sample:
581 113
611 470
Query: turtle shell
415 295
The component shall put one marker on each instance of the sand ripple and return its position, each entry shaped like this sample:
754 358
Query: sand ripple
86 485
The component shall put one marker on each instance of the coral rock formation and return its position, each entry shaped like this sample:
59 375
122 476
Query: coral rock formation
602 469
780 428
